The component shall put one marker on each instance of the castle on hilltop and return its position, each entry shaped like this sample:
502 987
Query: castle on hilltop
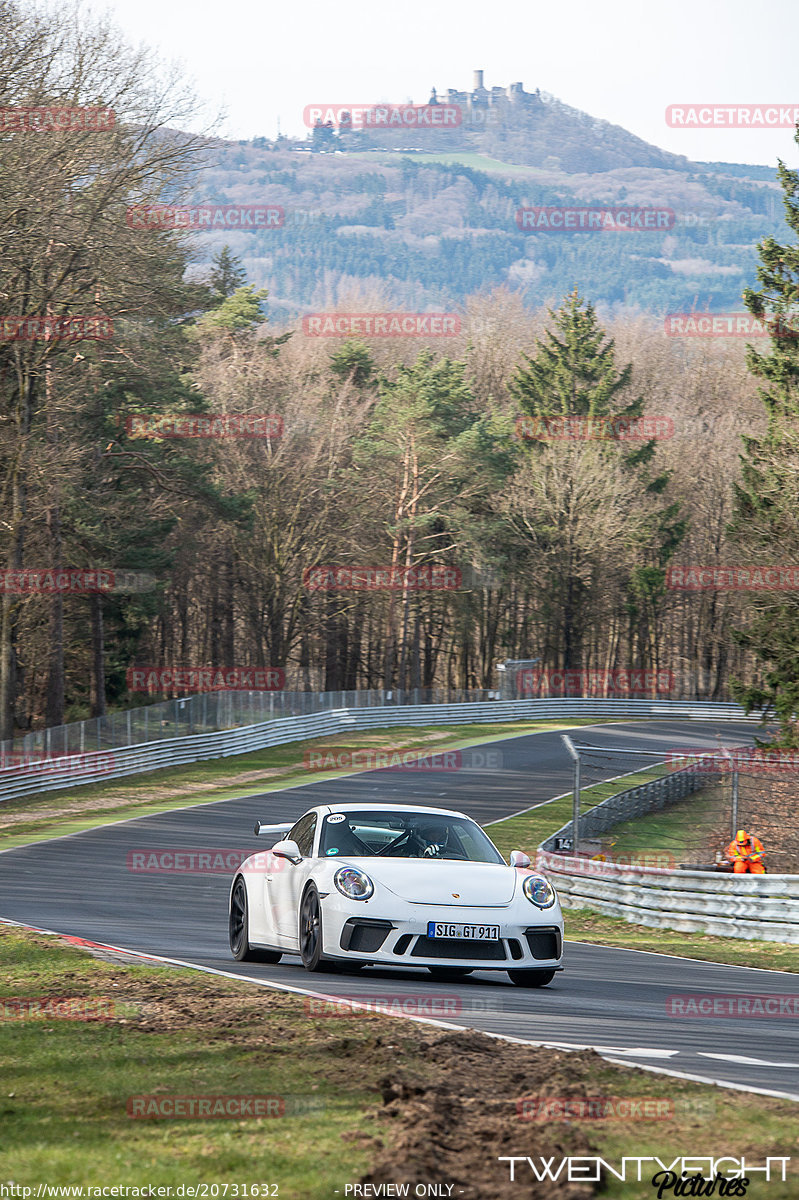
483 98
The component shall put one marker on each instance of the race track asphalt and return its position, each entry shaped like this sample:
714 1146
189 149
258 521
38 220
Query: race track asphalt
616 1000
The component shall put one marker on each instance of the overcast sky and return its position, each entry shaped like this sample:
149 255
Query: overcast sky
625 61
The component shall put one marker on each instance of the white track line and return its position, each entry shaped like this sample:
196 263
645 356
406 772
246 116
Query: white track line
741 1058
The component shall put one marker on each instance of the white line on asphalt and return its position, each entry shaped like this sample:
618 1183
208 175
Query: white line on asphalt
755 1062
724 1083
643 1051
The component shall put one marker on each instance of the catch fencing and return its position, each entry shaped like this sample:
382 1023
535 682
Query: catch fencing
738 787
43 772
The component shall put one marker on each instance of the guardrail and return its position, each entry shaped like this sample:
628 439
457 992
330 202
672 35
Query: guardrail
755 907
45 775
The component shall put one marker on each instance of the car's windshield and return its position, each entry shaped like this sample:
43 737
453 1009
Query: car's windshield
405 835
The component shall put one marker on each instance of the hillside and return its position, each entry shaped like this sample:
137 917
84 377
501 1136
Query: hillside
421 227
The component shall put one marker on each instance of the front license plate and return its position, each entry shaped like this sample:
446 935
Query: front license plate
475 933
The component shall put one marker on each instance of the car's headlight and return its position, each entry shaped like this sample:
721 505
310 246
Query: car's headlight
353 884
539 891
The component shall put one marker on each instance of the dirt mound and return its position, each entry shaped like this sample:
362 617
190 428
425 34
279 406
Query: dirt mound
451 1128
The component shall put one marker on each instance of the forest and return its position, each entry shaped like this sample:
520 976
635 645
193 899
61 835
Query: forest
362 512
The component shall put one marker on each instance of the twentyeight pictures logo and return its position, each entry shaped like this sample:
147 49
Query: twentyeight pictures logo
387 324
662 1173
584 219
383 116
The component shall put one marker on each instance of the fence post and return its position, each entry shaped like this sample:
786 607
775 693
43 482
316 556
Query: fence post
576 793
734 802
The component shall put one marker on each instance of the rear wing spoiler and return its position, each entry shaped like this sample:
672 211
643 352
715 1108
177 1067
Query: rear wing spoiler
261 830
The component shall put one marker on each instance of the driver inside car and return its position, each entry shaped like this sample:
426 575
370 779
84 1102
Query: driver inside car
434 839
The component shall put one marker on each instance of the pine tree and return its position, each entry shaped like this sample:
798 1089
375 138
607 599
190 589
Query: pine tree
574 375
227 276
766 521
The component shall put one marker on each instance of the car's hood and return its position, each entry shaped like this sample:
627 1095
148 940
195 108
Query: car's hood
461 884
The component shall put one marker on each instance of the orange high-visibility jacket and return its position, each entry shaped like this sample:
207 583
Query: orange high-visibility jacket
751 848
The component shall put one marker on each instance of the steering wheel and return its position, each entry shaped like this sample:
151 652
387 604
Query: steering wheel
403 837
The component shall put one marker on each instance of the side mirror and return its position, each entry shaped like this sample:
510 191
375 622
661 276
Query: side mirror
519 859
287 849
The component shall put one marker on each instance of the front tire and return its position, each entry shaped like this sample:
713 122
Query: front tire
311 930
534 979
239 929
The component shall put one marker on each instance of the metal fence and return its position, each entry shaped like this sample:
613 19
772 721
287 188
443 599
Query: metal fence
737 787
638 801
50 773
208 712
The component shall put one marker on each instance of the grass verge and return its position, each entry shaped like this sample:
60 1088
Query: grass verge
365 1097
72 810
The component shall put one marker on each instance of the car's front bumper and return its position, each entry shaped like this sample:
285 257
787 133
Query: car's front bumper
529 939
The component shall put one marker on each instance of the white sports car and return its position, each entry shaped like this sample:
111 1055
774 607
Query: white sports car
391 885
